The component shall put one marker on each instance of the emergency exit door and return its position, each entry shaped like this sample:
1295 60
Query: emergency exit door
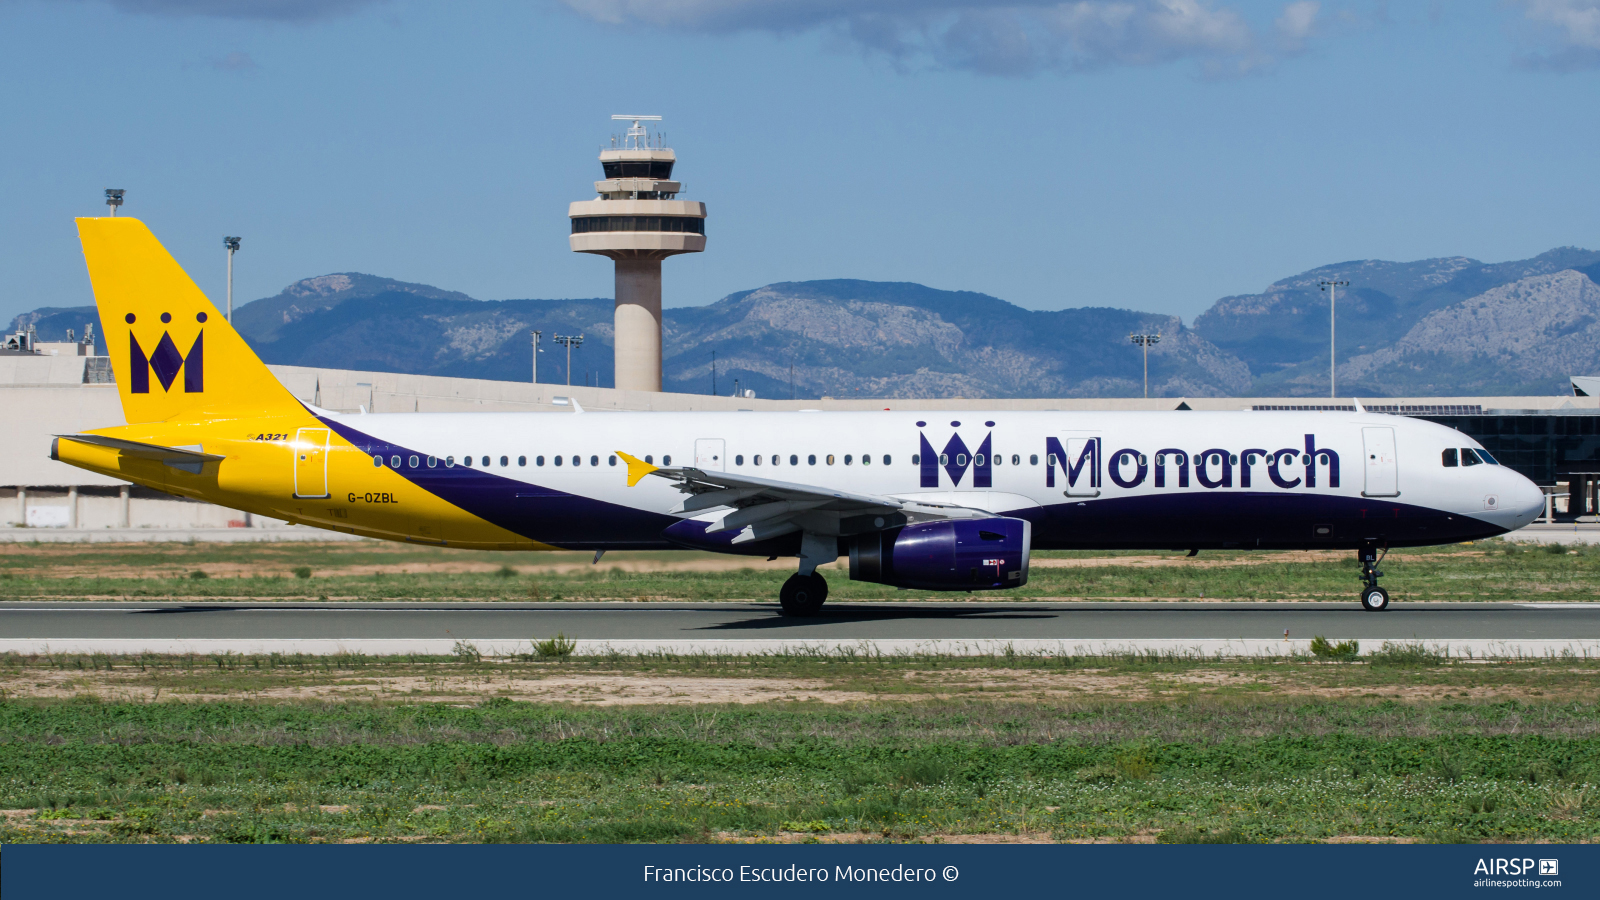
1383 475
311 463
710 455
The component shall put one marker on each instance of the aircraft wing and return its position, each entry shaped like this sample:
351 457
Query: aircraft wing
764 507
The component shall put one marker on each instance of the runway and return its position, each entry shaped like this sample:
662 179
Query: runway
1478 629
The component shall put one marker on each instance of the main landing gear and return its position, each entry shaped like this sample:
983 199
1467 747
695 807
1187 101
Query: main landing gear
1373 598
803 595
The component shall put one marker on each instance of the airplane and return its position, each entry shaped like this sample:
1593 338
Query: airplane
947 501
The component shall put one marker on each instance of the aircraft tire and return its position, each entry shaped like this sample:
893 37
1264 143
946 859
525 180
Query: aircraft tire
1374 599
803 595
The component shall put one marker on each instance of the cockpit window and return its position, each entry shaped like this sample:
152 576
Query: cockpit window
1449 458
1469 457
1484 455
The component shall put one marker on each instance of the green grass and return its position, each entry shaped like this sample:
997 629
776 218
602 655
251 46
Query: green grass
957 752
518 772
1492 570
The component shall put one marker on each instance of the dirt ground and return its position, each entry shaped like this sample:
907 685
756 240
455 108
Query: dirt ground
622 689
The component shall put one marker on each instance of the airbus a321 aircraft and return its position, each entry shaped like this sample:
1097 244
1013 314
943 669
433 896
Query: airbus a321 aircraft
950 501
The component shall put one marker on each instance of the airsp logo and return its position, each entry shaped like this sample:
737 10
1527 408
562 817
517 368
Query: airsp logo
1549 867
166 360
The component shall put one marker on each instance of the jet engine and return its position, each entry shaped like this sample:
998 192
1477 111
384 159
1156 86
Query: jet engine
949 555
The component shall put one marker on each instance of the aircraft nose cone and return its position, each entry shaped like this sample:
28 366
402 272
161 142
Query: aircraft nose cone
1528 498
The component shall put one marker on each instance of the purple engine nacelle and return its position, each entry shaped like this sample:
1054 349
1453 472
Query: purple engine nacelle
952 555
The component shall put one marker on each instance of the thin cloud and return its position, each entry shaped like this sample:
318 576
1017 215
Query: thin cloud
261 10
1570 28
1017 39
237 61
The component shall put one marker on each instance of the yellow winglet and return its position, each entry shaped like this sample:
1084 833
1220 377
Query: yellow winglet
637 468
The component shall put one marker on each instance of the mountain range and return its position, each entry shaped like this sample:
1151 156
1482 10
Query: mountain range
1432 327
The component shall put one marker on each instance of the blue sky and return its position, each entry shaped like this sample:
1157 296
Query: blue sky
1148 154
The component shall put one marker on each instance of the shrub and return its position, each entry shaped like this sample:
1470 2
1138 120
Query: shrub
1326 649
466 651
507 572
1135 765
1555 549
560 645
1403 655
302 571
198 575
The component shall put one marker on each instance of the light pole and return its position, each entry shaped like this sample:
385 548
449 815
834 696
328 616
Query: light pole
114 199
569 341
1332 287
1144 341
537 335
232 243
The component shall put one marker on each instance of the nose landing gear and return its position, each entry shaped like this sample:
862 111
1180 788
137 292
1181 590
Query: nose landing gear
1373 598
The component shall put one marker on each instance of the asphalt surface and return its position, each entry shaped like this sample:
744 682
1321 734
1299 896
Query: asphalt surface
847 621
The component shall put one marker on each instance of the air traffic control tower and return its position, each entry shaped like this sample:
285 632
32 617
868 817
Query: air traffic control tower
638 221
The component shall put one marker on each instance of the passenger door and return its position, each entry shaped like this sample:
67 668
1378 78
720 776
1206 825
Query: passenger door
1383 475
710 455
311 463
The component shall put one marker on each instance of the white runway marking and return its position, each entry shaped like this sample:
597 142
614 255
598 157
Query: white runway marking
499 647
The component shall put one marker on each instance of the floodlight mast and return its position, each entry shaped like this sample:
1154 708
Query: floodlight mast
569 341
1332 288
114 199
1144 341
232 243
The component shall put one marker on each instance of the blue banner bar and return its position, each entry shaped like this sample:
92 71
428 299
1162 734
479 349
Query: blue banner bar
924 870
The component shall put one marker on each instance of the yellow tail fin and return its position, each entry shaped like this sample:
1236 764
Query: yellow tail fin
173 353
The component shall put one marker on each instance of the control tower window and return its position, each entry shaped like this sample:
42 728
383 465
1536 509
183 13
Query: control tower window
672 224
658 169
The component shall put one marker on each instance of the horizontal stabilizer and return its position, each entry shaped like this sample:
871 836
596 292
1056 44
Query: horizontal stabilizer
187 458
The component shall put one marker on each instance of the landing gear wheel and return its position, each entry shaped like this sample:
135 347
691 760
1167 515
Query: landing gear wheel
803 595
1374 599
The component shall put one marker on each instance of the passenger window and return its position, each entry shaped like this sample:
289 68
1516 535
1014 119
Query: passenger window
866 459
1449 458
611 460
486 462
755 459
961 459
665 460
504 462
433 462
980 460
377 462
467 460
830 459
538 460
594 460
1016 459
848 459
394 462
887 459
1033 460
449 462
996 460
739 460
916 459
648 460
577 460
522 460
413 462
1469 458
558 460
811 460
